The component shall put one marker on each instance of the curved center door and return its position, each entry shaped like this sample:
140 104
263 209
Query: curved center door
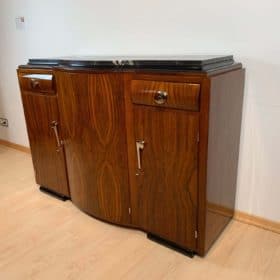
93 129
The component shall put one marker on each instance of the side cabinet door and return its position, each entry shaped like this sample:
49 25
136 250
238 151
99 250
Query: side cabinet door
41 112
93 118
167 180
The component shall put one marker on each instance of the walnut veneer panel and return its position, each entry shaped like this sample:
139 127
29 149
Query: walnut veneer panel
49 165
179 95
93 127
167 183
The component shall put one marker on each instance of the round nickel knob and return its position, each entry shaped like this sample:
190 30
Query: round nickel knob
160 97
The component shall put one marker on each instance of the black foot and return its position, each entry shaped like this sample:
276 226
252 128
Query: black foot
171 245
53 194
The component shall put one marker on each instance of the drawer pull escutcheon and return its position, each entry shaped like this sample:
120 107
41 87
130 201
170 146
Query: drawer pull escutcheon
160 97
35 84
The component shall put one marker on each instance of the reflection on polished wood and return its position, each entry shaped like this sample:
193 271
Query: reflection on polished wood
48 159
93 129
167 204
179 95
42 238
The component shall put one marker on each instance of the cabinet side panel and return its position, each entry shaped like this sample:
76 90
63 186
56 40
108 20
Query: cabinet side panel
226 102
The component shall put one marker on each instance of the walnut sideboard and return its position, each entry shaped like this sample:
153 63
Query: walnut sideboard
149 143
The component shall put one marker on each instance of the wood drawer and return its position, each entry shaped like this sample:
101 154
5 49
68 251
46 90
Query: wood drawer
43 83
184 96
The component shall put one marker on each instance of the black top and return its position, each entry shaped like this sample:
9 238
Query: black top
190 62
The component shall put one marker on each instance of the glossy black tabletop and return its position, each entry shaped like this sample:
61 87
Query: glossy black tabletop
187 62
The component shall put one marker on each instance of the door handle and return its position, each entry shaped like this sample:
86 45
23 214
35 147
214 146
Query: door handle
139 147
54 125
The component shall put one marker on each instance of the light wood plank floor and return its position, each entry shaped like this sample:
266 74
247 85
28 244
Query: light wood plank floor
44 238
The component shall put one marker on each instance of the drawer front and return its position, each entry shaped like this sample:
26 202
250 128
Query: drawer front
184 96
41 83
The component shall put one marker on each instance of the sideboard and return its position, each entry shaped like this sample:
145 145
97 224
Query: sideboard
148 143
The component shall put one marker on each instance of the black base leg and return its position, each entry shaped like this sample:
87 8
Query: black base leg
171 245
53 194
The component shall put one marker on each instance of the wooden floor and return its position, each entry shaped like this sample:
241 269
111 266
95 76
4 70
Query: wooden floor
44 238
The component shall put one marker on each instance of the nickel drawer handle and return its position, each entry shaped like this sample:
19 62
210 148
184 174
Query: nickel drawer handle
54 125
139 147
160 97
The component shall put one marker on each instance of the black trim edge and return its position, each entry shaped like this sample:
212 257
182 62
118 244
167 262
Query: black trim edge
171 245
53 193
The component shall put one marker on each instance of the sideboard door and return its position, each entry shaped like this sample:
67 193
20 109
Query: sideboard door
93 130
166 142
41 114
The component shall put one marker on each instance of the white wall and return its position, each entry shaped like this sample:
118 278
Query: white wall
248 29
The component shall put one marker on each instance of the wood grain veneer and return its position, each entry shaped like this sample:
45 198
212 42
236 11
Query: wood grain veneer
166 191
225 114
41 110
184 96
37 85
93 128
49 165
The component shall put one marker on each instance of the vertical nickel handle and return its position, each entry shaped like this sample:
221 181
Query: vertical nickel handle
139 147
54 125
